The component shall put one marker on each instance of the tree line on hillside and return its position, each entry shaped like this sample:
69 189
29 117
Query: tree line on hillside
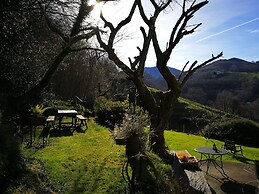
229 85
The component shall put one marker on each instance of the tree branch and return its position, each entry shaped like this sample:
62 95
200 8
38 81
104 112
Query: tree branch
144 52
84 10
193 69
79 37
51 25
179 30
113 56
122 23
106 23
142 13
86 48
179 77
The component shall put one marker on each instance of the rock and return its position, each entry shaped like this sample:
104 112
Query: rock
191 180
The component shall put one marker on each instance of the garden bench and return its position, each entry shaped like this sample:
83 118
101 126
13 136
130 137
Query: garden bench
82 120
50 120
230 145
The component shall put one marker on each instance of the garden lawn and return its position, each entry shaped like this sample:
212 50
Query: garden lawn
87 162
182 141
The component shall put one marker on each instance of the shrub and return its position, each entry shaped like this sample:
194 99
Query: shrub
134 124
240 130
84 110
59 104
109 113
38 109
149 174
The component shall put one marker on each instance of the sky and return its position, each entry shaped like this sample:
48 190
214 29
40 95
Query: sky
231 26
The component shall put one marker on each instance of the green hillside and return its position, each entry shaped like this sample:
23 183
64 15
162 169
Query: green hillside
231 85
192 117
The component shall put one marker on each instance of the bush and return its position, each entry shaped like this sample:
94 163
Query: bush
149 174
240 130
134 124
59 104
84 110
109 113
10 158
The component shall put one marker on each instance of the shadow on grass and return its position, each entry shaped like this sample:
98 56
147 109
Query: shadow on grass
60 132
243 159
79 130
98 179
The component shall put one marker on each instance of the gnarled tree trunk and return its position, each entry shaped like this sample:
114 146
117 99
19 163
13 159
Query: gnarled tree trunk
160 109
159 122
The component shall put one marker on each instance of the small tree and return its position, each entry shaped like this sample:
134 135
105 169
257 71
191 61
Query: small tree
160 109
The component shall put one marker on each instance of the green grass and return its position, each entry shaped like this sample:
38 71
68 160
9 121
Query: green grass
92 163
195 106
84 163
183 141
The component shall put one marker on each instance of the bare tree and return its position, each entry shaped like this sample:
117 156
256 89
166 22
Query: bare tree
227 102
160 110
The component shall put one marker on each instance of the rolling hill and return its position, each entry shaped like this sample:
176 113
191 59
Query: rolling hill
231 85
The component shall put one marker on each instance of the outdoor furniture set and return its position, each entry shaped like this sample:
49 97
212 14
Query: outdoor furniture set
77 120
209 155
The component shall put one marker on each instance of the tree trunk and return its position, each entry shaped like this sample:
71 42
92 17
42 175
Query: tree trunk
159 123
156 136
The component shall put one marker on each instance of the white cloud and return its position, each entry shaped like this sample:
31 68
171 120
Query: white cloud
229 29
253 31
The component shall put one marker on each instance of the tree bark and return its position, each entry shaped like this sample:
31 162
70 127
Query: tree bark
159 122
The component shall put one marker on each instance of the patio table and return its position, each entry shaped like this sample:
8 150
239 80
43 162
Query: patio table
67 113
211 155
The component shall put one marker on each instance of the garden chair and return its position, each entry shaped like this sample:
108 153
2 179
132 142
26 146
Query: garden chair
230 145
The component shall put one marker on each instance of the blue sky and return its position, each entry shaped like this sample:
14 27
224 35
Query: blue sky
231 26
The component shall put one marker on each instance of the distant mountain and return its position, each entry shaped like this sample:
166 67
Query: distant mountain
231 65
154 79
153 71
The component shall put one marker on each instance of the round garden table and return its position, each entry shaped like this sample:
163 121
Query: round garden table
210 156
